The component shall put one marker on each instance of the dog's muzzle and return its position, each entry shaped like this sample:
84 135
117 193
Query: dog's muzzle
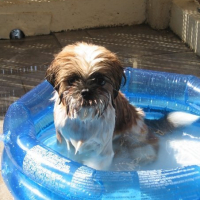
86 94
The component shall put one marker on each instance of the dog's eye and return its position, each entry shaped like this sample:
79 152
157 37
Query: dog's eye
72 80
100 81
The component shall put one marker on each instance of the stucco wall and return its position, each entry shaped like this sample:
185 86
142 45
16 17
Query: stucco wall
43 16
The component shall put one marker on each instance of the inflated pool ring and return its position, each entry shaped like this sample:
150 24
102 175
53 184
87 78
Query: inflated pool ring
33 171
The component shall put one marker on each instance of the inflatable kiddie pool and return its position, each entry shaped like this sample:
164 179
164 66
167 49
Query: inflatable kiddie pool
33 171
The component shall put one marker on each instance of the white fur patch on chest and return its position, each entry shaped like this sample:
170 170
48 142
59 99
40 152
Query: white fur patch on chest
91 137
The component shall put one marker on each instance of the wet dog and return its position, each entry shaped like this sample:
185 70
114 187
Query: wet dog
90 112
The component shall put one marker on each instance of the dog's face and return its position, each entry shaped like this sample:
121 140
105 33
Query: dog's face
87 78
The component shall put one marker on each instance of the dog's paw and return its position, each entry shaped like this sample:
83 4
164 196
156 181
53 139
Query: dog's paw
143 154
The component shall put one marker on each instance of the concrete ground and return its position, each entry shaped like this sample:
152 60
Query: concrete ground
23 62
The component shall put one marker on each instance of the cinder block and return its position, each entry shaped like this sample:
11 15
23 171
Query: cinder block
185 22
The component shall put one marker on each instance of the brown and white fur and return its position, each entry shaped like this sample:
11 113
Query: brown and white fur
90 111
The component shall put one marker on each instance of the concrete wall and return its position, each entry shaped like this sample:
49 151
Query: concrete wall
158 13
185 22
36 17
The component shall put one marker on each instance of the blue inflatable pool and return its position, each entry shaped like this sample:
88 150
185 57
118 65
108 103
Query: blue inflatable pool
33 171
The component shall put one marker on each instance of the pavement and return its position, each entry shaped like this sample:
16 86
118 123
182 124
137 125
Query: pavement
23 62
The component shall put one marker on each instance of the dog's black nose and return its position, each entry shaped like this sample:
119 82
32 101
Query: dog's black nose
85 93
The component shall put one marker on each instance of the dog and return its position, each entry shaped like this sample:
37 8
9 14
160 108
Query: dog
90 112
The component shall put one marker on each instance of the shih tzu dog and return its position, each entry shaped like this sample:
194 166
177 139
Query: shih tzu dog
90 112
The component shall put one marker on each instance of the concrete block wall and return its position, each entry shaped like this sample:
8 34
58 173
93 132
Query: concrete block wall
158 13
37 17
185 22
43 16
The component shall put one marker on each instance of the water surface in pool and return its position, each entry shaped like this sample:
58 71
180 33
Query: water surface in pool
176 149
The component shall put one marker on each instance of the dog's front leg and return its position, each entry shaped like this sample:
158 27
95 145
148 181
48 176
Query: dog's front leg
62 143
102 159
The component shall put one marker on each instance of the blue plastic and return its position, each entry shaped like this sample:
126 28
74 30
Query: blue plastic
33 171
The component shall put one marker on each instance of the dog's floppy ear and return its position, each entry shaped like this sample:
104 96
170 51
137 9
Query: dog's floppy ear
50 75
121 82
118 74
53 71
116 90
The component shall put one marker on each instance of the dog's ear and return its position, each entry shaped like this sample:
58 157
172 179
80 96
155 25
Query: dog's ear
121 82
119 77
50 74
53 71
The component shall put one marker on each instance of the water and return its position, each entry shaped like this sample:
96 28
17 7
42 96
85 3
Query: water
177 149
